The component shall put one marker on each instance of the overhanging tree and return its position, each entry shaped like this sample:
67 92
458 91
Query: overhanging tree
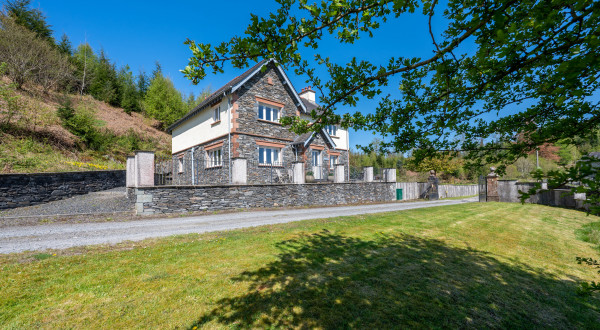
537 59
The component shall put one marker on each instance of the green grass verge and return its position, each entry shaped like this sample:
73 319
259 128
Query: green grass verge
487 265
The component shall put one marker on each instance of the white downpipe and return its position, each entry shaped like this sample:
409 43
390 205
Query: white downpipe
229 134
193 176
348 153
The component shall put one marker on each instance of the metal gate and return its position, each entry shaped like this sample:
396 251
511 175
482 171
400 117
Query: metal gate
482 188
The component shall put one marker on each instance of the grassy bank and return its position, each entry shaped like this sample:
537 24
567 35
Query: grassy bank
475 265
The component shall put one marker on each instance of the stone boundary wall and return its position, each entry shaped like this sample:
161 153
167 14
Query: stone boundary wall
18 190
508 191
178 199
413 190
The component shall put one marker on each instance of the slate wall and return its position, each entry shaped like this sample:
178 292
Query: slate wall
174 199
29 189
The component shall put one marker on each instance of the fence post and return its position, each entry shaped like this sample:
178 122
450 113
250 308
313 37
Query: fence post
389 174
368 173
130 173
239 170
298 173
339 176
492 186
144 168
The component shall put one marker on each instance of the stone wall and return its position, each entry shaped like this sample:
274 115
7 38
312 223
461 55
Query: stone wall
178 199
29 189
508 191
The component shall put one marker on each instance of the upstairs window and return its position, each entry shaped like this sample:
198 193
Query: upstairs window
215 158
331 130
268 113
269 156
217 114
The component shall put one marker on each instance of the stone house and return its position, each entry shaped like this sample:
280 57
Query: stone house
241 120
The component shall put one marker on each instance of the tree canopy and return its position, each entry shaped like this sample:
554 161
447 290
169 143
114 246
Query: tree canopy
533 71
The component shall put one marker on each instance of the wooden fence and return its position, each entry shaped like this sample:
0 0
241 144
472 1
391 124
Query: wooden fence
414 190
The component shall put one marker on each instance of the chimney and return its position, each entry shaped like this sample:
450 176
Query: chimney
308 94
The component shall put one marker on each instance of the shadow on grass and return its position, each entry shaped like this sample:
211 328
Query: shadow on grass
333 281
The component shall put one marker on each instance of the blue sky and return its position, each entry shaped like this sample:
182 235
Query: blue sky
139 33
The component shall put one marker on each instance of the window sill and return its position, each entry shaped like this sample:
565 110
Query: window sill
211 167
215 123
269 165
269 122
335 136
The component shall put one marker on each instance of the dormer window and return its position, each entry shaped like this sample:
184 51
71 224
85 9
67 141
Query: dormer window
268 112
331 130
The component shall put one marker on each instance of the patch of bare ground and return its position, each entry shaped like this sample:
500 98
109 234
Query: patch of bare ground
120 123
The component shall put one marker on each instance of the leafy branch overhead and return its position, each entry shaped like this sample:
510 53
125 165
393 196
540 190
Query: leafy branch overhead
500 69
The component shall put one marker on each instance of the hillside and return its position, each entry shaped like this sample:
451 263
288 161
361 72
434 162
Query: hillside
33 138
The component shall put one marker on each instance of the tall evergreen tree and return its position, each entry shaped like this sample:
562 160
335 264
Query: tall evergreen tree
64 46
104 85
163 101
32 19
128 89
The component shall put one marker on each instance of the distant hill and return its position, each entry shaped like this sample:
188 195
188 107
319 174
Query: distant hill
33 137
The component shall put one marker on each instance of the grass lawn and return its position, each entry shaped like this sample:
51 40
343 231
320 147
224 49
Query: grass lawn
476 265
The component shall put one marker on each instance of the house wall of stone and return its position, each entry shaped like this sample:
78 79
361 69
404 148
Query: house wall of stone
266 85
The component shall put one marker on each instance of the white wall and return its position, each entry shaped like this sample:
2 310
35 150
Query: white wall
341 140
198 129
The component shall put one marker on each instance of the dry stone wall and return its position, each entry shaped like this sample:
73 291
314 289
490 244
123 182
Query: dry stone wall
18 190
178 199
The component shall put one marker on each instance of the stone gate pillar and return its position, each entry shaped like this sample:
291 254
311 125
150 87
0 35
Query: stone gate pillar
389 174
492 186
239 171
339 176
368 173
130 172
144 169
298 173
433 186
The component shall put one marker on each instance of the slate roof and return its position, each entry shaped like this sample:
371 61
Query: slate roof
309 105
218 94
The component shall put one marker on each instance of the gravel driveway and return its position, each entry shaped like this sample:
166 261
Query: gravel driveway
60 236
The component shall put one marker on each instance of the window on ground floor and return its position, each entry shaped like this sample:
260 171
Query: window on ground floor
180 164
214 158
316 158
333 159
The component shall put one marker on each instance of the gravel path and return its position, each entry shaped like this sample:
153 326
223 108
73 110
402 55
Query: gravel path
106 201
61 236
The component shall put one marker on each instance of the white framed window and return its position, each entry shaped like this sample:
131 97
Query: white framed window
217 114
215 158
269 156
268 112
331 130
333 159
180 164
316 158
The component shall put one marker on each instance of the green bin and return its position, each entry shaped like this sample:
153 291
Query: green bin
398 194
